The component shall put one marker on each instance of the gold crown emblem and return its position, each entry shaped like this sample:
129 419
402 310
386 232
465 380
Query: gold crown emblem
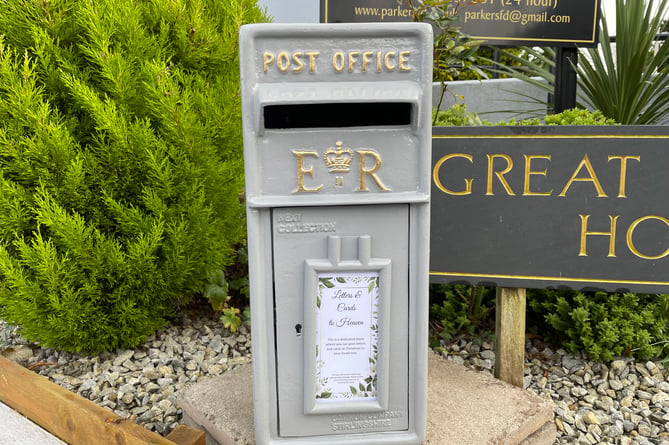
338 159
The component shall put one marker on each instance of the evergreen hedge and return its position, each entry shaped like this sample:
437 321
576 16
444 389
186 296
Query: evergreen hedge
120 162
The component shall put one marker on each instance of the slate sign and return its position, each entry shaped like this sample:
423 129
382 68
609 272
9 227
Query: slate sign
355 11
498 22
533 22
551 207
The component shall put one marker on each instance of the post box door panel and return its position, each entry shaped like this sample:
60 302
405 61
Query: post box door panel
341 299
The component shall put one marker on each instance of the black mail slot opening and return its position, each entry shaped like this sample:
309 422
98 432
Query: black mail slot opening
329 115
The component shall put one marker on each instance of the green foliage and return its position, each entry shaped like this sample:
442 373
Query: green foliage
626 82
222 289
231 319
216 290
453 51
579 116
602 324
629 82
120 163
458 115
575 116
457 309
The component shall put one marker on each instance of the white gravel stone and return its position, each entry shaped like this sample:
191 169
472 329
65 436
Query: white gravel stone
623 402
142 382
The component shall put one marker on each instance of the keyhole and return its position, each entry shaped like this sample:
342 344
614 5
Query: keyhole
298 330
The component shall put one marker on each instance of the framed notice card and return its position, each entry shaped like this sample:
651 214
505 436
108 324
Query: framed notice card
345 342
347 336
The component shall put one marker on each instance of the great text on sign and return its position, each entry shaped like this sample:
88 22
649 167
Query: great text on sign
579 207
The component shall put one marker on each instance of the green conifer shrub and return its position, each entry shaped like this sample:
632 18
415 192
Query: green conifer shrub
605 325
120 162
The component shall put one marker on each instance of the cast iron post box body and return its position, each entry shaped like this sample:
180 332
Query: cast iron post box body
337 158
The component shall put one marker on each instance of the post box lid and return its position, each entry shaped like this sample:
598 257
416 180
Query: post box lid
336 114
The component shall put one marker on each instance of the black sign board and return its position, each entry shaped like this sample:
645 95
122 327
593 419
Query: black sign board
551 207
498 22
533 22
355 11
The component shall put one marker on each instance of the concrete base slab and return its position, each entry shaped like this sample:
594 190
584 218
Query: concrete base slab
18 430
464 407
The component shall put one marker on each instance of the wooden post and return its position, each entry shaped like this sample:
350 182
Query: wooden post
510 335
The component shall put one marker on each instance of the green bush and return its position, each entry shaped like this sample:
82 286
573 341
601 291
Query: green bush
575 116
120 163
602 324
458 309
458 115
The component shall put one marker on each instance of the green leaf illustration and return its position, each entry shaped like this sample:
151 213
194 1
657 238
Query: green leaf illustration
327 282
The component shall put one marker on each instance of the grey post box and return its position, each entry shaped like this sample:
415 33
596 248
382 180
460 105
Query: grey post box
337 138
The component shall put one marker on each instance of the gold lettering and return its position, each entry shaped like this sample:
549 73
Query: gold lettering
338 62
630 233
623 172
366 59
591 178
352 57
389 55
437 167
267 60
404 60
297 58
363 172
500 175
301 171
312 60
378 61
529 172
283 61
611 235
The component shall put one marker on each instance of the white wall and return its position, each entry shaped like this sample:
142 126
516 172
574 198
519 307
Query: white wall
293 11
494 100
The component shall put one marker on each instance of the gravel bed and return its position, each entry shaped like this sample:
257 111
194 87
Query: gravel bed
141 384
623 402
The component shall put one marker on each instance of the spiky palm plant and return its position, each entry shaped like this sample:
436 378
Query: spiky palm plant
628 82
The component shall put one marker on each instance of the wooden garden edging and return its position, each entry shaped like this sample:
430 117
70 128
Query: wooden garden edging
74 419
